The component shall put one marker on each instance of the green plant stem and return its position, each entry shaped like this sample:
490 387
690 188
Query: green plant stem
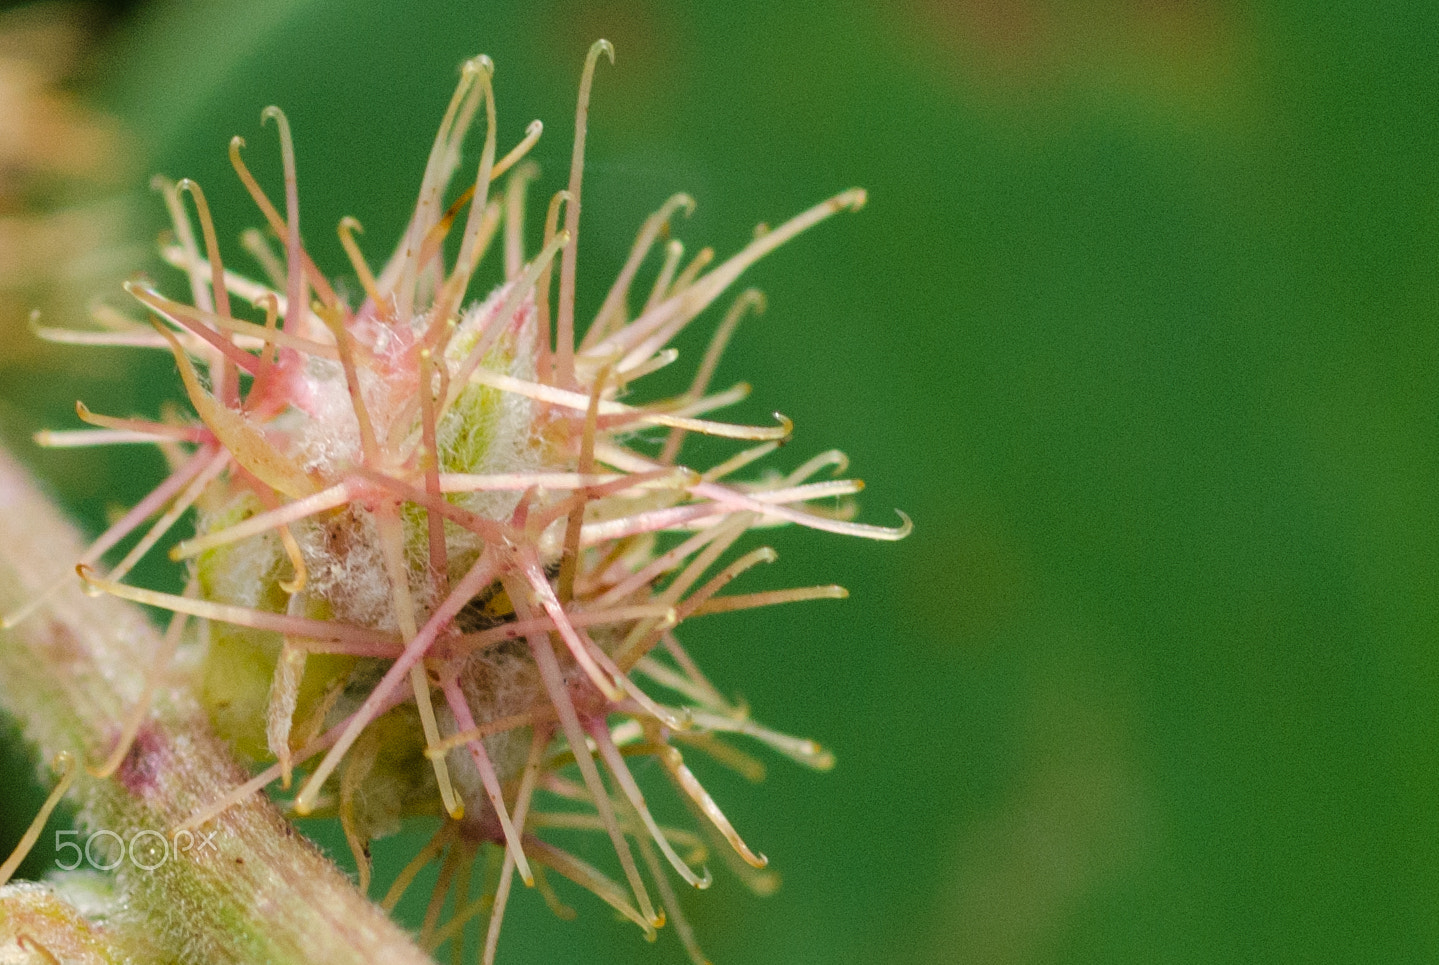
256 891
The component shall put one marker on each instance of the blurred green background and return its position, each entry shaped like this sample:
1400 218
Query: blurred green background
1139 326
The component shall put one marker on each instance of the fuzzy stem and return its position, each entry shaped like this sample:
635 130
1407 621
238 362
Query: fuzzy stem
258 891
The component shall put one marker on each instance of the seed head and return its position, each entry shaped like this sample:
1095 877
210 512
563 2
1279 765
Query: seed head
436 555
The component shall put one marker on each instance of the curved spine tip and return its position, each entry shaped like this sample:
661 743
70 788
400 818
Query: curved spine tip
906 525
787 424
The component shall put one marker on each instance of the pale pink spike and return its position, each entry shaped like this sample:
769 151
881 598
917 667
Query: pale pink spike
686 663
673 680
248 290
454 287
108 318
538 740
809 491
554 684
72 336
171 516
86 438
654 363
738 461
674 251
292 512
651 521
344 344
430 461
444 157
728 497
455 698
659 479
708 403
257 246
315 633
580 648
698 296
806 752
632 414
734 500
592 879
748 299
515 218
570 555
144 426
185 235
565 320
621 773
613 308
514 630
814 464
227 381
747 601
294 267
659 565
248 335
697 264
646 633
452 482
722 579
690 785
188 319
672 905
